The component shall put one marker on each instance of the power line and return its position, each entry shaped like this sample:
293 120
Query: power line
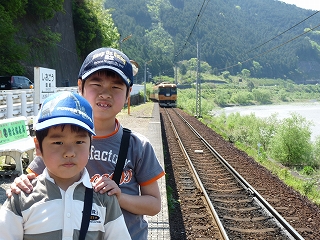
272 49
204 5
282 32
194 25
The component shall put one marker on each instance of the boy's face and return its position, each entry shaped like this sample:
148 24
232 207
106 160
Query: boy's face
106 93
65 153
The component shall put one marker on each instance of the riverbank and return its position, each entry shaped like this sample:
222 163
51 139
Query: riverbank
310 110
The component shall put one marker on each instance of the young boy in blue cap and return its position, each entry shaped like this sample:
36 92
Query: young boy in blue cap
53 210
105 80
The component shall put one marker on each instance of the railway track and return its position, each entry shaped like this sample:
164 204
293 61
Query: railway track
218 203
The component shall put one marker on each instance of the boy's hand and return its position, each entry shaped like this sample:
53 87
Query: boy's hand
104 184
21 183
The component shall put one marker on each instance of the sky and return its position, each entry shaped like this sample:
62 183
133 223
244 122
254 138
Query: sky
307 4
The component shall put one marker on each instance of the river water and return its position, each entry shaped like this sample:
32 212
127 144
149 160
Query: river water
309 110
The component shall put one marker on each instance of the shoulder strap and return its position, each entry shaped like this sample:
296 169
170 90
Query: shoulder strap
122 155
86 213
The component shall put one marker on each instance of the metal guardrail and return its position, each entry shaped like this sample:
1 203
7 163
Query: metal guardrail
15 103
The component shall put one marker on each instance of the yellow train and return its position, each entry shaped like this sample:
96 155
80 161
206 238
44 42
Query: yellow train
165 93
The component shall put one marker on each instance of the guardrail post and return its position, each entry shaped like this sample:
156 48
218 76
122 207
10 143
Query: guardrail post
9 105
35 108
14 102
23 103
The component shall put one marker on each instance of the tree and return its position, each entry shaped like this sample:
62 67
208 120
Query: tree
93 25
44 9
256 69
241 97
263 96
10 52
183 69
245 73
226 74
205 67
291 144
221 98
192 64
316 153
14 44
250 86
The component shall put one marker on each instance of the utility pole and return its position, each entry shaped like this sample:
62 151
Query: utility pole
135 69
198 86
145 80
175 74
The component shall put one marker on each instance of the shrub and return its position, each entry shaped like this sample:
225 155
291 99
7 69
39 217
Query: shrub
221 98
262 96
316 153
291 144
308 186
308 170
283 95
241 98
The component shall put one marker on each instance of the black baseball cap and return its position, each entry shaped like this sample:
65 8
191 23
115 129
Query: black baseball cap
107 58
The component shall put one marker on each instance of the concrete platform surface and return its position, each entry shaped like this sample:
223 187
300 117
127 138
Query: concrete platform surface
145 119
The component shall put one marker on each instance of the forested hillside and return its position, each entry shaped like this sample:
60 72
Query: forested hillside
263 38
231 35
39 33
54 34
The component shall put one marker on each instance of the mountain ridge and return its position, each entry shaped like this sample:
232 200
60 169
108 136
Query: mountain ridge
227 31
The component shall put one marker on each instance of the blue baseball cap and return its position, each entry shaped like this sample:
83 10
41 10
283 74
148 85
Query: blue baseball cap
65 108
108 58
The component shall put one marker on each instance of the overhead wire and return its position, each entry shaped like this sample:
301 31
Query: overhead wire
203 6
272 49
282 32
273 39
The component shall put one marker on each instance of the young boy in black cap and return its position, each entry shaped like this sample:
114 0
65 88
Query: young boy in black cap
56 208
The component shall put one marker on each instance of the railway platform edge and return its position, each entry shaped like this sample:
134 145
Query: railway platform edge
149 125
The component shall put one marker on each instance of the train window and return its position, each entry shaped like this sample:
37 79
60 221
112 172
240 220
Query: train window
167 91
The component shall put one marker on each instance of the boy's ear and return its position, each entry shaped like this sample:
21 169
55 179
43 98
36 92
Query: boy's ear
79 86
37 147
128 95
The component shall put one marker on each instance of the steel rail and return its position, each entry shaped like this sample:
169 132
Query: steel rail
198 181
272 211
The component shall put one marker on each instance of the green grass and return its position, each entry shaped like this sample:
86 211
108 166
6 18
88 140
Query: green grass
305 185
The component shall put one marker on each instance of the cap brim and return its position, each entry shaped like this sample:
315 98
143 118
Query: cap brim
123 76
63 120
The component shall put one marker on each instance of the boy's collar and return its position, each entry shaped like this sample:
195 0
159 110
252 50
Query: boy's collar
85 179
116 129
